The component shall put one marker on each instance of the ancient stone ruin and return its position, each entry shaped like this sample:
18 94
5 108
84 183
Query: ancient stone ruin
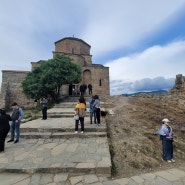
79 52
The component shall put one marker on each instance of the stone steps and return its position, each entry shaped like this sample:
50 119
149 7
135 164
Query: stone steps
76 156
63 130
52 146
66 135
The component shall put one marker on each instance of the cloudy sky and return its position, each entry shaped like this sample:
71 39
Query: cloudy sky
142 41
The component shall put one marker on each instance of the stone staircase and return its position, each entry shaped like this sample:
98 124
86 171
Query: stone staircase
51 146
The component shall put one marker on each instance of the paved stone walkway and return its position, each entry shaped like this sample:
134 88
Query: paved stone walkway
50 153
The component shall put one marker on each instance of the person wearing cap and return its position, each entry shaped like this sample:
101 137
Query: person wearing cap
4 127
166 136
16 116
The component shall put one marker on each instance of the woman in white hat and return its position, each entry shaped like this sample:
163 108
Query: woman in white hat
166 135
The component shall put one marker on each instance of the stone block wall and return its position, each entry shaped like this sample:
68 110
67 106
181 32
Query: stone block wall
72 45
11 90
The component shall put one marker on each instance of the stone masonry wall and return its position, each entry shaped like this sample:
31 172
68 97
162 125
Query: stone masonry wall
72 45
11 88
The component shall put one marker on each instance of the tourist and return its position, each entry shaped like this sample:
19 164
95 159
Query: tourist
90 88
91 110
166 136
44 103
85 88
96 106
4 128
80 111
81 90
16 116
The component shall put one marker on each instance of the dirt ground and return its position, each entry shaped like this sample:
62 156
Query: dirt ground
134 147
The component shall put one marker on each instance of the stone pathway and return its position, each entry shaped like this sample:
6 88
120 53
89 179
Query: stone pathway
50 153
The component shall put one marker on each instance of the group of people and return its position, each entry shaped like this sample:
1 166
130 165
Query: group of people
165 132
83 89
80 111
16 117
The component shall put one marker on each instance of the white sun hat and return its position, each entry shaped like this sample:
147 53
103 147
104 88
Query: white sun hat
165 120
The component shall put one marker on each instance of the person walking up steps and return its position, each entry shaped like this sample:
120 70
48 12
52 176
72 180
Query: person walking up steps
16 116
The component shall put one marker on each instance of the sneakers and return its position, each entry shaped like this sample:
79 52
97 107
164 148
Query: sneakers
172 160
16 141
76 132
11 140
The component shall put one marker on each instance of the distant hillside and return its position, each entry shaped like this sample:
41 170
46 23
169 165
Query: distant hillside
146 92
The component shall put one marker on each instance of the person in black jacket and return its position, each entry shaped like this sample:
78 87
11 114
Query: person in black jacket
4 128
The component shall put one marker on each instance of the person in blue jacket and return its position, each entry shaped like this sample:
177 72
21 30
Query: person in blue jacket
91 110
166 136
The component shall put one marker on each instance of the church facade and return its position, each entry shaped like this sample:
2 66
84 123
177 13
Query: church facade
79 51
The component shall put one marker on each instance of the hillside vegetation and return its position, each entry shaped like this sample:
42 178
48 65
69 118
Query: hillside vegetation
135 149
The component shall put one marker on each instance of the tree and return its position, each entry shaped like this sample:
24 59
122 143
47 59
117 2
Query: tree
48 78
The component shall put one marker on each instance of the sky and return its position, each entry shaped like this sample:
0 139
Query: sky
141 41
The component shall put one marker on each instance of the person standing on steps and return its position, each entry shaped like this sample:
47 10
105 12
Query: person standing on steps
166 136
80 111
90 89
91 110
4 127
16 116
96 106
44 103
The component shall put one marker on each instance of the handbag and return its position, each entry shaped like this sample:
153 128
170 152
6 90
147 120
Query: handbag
76 117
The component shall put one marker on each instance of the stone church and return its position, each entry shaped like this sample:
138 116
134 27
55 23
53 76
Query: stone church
79 51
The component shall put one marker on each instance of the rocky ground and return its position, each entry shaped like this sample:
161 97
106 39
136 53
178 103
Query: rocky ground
134 147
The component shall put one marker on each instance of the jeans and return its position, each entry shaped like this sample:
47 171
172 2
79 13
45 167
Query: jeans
167 145
81 119
15 127
44 113
91 117
97 110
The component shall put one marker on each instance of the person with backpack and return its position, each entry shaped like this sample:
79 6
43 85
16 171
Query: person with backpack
16 116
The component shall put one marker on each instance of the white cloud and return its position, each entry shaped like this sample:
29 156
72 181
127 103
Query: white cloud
29 30
156 61
125 23
125 87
